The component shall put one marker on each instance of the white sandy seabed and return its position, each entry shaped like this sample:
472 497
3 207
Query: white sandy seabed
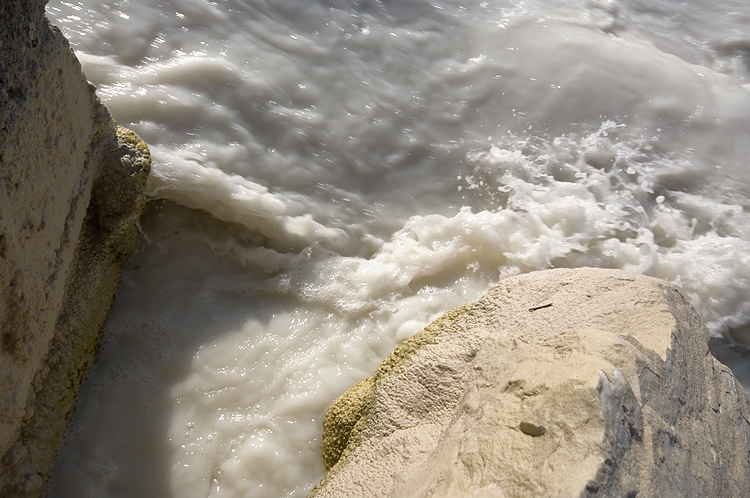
331 175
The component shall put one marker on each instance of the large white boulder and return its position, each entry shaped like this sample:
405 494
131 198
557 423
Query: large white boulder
584 382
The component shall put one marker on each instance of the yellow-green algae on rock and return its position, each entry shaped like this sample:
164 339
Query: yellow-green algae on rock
346 418
108 235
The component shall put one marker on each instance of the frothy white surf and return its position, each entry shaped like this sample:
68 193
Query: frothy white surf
331 175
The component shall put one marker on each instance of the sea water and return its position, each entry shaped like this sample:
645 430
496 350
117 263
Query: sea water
331 175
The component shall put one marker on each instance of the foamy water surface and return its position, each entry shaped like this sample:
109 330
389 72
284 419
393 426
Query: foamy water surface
329 176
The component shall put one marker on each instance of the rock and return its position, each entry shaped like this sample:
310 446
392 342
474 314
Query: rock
582 382
71 192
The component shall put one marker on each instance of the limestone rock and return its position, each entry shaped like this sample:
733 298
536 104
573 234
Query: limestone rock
71 192
559 383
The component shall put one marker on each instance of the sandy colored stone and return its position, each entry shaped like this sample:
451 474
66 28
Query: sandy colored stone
559 383
71 192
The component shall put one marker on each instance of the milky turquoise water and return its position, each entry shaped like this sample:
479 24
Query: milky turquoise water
329 176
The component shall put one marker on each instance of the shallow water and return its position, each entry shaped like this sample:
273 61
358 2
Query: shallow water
329 176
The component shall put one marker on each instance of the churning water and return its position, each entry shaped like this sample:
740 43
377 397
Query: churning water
330 175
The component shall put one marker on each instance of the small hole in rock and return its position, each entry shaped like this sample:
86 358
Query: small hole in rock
532 430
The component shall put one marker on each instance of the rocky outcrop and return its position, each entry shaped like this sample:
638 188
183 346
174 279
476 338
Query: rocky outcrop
557 383
71 193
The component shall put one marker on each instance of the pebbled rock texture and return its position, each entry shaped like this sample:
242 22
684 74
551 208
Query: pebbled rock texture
561 383
71 192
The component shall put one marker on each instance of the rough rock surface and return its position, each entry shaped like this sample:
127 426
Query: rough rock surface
71 192
557 383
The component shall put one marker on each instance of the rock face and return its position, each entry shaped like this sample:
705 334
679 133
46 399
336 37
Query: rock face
71 192
557 383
